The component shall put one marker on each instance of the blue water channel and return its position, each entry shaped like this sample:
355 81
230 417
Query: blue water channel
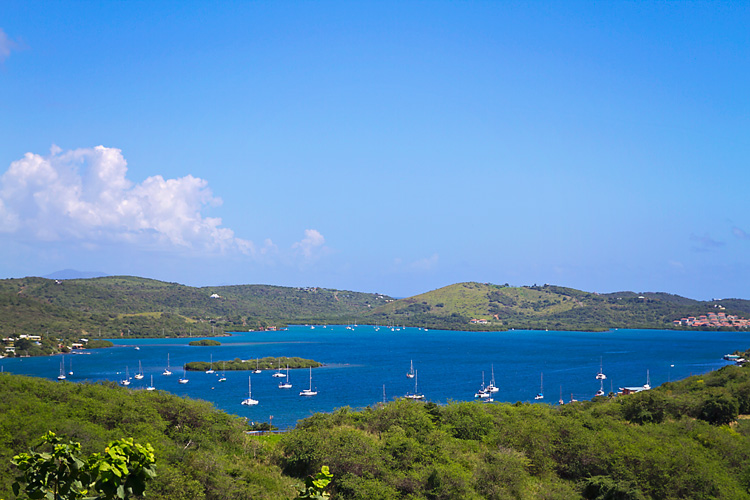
362 362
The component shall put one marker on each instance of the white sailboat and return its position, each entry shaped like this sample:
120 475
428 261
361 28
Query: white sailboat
211 366
561 399
62 369
410 374
71 367
126 380
647 386
166 370
482 392
541 388
151 387
257 366
600 375
286 385
249 401
415 394
184 379
223 377
278 373
139 375
309 392
492 387
600 392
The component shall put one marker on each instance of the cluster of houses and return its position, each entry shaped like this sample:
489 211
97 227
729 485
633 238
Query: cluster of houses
9 343
479 321
713 320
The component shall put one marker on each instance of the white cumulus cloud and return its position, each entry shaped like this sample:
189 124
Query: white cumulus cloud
84 195
310 244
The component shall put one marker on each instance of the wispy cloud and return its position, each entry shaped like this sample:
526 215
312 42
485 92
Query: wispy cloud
420 265
705 243
6 46
84 195
739 233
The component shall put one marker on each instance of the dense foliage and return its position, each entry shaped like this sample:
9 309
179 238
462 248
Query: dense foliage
267 363
683 440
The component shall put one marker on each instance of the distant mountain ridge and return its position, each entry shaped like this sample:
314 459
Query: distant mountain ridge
126 305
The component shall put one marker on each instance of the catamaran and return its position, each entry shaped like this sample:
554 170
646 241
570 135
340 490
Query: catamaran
492 387
166 370
139 375
541 388
309 392
62 369
249 401
600 375
286 385
415 394
278 373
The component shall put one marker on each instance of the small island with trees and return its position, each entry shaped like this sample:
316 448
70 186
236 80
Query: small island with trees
205 342
267 363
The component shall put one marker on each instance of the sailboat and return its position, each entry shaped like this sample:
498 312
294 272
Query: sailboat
600 392
223 377
71 367
211 366
166 370
492 387
647 386
541 387
483 392
561 399
410 374
184 379
415 394
278 373
286 385
600 375
62 369
257 366
151 387
139 375
249 401
126 380
309 392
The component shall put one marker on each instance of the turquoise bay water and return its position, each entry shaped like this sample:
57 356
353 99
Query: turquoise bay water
361 361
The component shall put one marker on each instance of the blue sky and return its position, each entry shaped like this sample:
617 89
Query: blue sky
391 147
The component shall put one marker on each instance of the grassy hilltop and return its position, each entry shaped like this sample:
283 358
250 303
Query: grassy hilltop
548 306
684 440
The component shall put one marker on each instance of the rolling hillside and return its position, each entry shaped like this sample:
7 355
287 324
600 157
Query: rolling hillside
540 307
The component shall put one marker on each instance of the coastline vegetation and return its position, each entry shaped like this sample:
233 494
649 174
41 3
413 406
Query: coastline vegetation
688 439
204 342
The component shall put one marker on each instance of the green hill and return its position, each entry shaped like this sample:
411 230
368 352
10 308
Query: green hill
540 307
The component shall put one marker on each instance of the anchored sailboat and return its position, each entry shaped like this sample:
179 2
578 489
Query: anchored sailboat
492 387
541 387
249 401
151 387
126 380
166 370
309 392
410 373
600 375
415 394
223 377
139 375
211 366
62 369
184 379
286 385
